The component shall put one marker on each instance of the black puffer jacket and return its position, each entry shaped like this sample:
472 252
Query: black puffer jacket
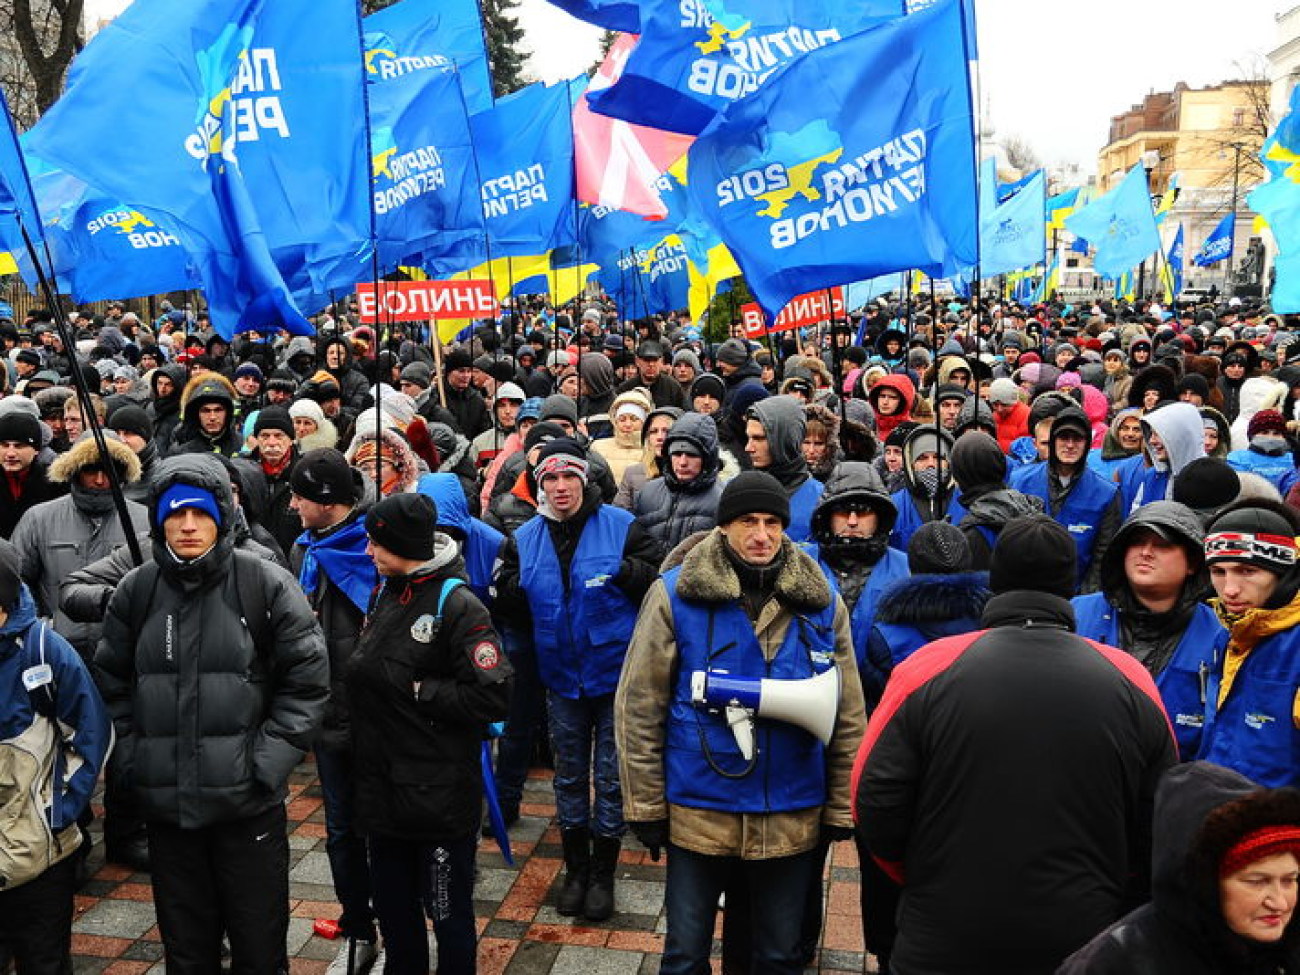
417 755
209 725
1181 931
353 385
669 510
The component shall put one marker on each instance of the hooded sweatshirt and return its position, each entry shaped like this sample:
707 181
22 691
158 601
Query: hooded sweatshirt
979 468
784 422
903 386
1180 428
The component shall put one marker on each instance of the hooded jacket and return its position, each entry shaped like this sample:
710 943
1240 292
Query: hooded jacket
165 411
903 387
1181 430
1257 393
353 387
58 537
622 450
209 723
1200 811
670 510
189 437
1180 647
979 468
784 423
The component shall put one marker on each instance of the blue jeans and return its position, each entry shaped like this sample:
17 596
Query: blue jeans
581 731
779 887
413 881
344 847
527 711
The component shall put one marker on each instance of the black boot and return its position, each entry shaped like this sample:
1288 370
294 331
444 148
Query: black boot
577 868
599 904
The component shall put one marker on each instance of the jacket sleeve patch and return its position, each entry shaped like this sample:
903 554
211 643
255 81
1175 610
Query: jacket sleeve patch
486 656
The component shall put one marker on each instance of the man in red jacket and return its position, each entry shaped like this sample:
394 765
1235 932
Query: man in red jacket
1011 414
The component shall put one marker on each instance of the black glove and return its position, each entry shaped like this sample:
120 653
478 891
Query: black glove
834 834
653 836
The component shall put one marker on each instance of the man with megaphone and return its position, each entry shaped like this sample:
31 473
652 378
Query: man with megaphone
737 716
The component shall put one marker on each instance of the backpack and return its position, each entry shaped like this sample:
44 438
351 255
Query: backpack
31 761
254 613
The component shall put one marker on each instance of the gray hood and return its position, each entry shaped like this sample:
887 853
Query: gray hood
701 432
784 421
854 480
1180 427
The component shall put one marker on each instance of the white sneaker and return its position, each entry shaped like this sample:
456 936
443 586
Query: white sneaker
364 958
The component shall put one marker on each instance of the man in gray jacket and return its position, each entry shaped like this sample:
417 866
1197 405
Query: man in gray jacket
215 672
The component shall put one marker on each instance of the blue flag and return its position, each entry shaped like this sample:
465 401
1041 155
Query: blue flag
1007 190
241 127
418 36
426 194
1278 202
1217 246
698 56
1121 225
1014 235
619 15
525 158
102 250
874 174
1174 261
17 202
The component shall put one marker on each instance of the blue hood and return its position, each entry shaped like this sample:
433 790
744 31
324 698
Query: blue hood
449 497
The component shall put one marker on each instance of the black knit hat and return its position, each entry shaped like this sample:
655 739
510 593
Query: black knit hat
1206 484
404 524
938 548
750 492
11 579
324 476
456 359
273 418
1034 553
21 427
131 419
543 432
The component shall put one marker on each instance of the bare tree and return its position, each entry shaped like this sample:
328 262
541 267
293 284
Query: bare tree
40 41
1021 154
1233 150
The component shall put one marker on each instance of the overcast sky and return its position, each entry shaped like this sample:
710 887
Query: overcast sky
1052 71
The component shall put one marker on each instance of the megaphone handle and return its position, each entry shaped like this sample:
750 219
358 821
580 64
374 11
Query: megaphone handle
741 722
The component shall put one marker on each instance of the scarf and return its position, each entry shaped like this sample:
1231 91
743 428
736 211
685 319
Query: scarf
342 554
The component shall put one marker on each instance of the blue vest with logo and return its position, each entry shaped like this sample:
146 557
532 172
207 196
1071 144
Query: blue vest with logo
1023 473
1081 514
1184 683
1141 485
1272 469
581 629
909 518
891 567
802 503
1256 731
704 767
480 551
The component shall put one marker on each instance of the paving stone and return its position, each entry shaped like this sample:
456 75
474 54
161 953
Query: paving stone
493 885
300 930
498 928
144 951
116 919
578 960
533 958
313 868
638 897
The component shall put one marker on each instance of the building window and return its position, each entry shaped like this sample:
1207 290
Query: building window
1238 117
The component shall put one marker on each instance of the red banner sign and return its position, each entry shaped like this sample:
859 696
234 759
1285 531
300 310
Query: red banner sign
809 309
420 301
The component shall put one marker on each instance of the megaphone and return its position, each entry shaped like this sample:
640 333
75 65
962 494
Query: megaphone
809 703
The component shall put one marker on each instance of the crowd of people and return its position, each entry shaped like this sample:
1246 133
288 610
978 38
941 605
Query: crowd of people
1009 597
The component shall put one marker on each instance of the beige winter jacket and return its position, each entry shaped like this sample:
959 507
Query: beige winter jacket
645 690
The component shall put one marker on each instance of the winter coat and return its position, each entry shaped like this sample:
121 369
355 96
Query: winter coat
278 517
189 437
885 423
354 389
1257 393
1182 931
480 543
416 756
165 411
1181 429
37 488
669 510
622 450
959 799
209 722
58 537
641 707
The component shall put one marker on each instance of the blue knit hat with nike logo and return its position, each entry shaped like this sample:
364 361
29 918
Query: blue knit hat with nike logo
180 496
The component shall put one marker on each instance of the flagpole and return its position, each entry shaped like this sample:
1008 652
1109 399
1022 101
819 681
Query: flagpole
89 415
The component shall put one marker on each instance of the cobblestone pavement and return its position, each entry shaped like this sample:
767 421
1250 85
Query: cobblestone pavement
115 931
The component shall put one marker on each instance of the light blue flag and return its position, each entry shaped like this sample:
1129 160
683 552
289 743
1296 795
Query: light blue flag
1007 190
858 293
875 174
1174 258
102 250
619 15
1014 235
1217 246
1121 226
1048 284
1278 202
418 36
241 125
17 202
425 185
525 158
698 56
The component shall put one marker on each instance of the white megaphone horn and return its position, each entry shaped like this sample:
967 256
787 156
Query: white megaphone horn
809 703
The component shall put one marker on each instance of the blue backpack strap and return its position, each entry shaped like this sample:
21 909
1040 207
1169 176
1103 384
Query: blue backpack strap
448 587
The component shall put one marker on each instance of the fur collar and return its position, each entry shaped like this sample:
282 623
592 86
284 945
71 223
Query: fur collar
84 453
707 576
934 598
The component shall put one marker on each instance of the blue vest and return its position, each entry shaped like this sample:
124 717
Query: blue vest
1106 468
582 626
1255 732
703 766
909 518
1085 503
480 551
1023 473
1184 683
1272 469
802 503
891 567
